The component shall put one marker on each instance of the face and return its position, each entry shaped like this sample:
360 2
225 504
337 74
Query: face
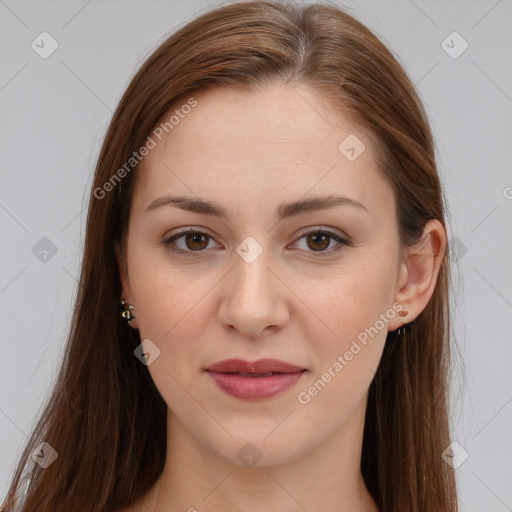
312 287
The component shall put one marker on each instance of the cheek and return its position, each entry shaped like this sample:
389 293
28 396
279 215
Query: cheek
173 308
350 300
162 292
353 312
170 310
349 349
172 313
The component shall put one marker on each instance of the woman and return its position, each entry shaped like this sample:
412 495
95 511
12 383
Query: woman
267 213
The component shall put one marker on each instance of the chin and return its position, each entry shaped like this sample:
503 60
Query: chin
259 449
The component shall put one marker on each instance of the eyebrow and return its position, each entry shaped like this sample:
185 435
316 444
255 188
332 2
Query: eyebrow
284 210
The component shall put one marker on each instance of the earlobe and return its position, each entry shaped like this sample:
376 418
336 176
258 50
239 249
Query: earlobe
419 271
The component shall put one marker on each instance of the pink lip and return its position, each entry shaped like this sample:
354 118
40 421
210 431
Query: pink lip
252 387
260 366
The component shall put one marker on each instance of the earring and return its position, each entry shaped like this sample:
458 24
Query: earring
127 312
401 329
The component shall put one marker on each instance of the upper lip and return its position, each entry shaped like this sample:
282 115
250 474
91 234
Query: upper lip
260 366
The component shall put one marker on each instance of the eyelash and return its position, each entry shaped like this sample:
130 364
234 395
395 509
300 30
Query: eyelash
169 242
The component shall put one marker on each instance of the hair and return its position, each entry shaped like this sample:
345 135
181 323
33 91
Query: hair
96 417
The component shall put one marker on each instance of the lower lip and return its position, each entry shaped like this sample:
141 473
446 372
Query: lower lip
254 388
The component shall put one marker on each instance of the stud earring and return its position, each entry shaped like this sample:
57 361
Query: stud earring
403 313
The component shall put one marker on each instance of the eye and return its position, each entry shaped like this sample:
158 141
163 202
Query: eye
320 239
195 242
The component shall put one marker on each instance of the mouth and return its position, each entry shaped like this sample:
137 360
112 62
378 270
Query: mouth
254 381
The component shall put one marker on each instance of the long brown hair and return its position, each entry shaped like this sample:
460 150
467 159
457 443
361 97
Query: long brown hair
105 417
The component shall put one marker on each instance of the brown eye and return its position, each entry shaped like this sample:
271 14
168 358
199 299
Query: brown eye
196 241
191 242
318 241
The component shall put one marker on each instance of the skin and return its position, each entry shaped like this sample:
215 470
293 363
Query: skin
291 303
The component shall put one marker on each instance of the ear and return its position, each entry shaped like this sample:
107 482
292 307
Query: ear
126 292
418 273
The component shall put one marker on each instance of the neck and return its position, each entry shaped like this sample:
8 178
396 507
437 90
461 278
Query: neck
326 478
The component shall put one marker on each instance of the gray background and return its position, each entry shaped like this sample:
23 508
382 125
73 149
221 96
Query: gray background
54 115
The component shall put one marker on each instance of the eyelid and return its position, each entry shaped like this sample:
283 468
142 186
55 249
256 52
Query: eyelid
323 229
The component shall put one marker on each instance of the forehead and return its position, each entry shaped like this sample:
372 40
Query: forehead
275 118
263 144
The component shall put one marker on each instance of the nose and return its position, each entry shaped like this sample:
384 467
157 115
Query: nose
253 298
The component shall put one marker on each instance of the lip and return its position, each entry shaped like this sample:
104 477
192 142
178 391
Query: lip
259 366
284 375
